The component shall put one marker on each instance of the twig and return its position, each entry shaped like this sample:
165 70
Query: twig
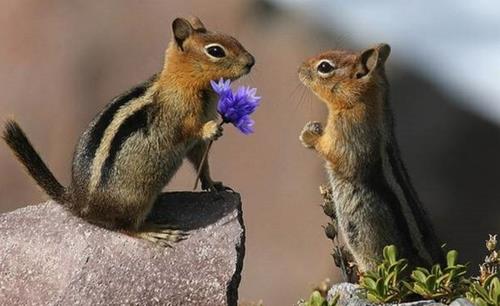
200 166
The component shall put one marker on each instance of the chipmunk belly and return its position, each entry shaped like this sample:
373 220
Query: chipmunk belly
371 215
365 223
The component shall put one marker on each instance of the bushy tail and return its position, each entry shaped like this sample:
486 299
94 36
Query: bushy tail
24 151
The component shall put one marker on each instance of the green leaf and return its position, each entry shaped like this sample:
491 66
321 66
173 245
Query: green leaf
316 299
369 283
390 253
423 270
381 271
440 279
388 281
420 289
436 270
371 274
489 279
390 298
407 285
418 276
398 266
335 300
374 298
451 258
430 282
480 291
495 290
381 289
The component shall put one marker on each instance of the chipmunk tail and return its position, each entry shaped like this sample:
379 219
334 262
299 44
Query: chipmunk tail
31 160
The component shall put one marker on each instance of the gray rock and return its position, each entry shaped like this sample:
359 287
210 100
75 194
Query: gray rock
461 302
349 296
50 257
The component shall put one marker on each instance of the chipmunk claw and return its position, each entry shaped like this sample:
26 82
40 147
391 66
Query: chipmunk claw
314 127
160 234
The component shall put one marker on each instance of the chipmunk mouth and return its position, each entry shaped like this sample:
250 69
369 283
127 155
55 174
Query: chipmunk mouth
243 73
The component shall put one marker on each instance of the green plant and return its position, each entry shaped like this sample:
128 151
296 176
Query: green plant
316 299
485 289
442 285
384 284
491 264
487 294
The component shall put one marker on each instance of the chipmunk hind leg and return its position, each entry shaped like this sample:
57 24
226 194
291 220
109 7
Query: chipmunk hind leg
161 234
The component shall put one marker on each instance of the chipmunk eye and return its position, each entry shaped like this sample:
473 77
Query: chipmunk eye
215 50
325 67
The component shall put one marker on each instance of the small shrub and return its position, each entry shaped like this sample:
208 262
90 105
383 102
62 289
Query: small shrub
438 284
385 285
487 294
485 289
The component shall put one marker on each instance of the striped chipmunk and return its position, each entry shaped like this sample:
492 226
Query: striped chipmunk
131 150
375 202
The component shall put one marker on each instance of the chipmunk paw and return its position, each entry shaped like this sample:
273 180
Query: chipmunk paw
212 130
310 133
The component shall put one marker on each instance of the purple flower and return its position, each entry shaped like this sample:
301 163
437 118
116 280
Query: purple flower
222 88
236 108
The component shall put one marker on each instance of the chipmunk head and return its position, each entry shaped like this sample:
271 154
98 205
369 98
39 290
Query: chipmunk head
342 78
199 55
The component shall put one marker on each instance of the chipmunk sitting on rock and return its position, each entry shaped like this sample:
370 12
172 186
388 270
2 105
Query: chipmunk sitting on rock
375 202
131 150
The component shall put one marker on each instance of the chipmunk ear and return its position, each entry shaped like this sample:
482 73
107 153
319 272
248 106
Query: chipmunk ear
197 24
372 58
182 29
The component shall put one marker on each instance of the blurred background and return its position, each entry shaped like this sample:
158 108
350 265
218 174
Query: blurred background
62 61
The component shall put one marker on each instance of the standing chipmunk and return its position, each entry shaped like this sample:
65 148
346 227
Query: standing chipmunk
375 202
131 150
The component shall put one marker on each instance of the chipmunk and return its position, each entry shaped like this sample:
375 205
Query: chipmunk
131 150
375 202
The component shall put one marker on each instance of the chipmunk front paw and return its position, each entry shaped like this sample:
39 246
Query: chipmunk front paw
310 134
211 130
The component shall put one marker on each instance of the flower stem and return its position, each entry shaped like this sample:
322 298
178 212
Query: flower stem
204 159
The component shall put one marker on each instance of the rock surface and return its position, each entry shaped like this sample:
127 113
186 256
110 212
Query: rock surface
461 302
50 257
349 297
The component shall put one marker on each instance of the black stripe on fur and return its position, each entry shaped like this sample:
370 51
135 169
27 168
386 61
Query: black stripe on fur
423 222
382 188
135 123
108 114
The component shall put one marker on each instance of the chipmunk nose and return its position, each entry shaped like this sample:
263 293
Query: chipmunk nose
250 61
304 73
